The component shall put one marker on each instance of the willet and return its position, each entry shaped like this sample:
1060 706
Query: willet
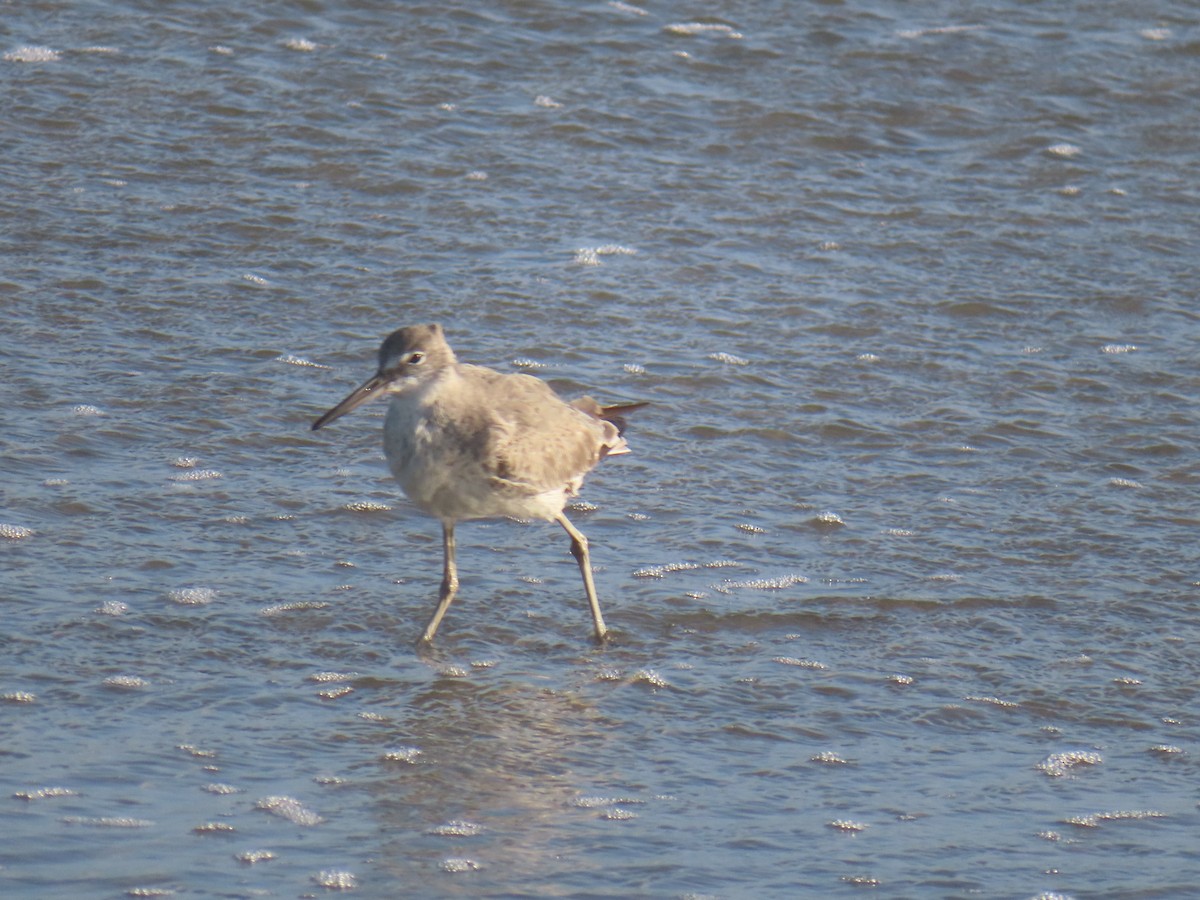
467 442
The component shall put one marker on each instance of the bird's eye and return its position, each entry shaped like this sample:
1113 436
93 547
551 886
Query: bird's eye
416 357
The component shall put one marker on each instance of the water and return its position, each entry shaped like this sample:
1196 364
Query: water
902 565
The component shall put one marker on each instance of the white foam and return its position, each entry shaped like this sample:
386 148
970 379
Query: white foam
728 359
590 256
250 857
126 682
1066 151
1056 765
336 880
289 808
408 755
937 29
32 54
198 475
299 361
692 29
192 596
761 584
799 663
457 828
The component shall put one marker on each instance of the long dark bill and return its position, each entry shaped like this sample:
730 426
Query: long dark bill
368 390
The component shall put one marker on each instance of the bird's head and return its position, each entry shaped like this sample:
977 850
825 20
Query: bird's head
408 357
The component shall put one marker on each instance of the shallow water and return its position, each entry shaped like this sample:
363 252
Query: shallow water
902 566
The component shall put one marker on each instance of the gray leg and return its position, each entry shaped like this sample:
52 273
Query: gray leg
579 549
449 582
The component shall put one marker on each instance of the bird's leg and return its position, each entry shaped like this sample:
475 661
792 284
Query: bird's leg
449 581
579 549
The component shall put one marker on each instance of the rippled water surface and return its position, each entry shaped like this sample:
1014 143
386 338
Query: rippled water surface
902 567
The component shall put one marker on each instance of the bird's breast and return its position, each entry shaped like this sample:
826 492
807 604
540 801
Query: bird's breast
409 438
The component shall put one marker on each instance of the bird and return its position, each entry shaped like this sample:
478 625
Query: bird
468 442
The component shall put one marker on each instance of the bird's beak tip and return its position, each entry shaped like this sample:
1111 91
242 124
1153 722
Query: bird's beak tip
357 398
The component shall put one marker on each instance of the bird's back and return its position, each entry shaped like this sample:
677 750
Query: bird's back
476 443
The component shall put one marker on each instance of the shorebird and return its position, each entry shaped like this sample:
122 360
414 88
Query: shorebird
468 442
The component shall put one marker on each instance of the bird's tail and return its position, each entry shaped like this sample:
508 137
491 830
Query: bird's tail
615 414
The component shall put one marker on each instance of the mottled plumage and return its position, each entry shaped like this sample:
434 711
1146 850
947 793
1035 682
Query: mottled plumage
467 442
